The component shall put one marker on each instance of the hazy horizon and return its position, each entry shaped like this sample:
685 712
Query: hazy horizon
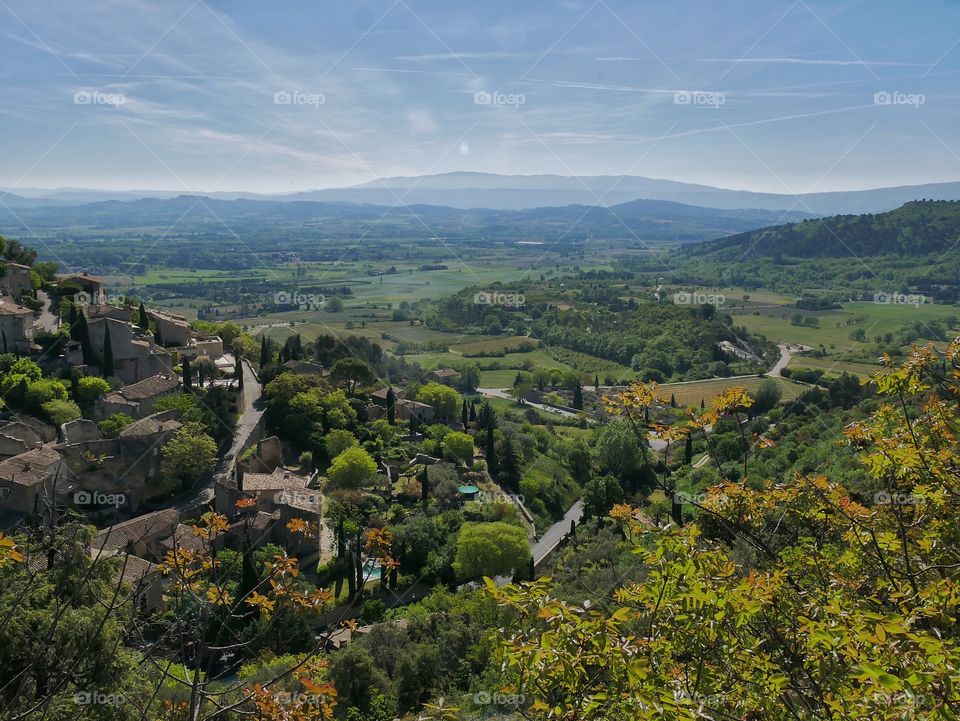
212 97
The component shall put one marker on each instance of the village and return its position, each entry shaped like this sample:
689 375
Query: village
113 474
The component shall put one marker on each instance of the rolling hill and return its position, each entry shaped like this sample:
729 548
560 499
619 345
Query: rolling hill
914 229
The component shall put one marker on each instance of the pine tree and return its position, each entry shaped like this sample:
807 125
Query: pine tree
187 374
143 321
108 369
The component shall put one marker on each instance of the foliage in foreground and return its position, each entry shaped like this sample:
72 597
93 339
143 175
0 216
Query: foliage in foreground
791 602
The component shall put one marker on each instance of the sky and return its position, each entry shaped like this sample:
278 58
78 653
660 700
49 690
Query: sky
273 97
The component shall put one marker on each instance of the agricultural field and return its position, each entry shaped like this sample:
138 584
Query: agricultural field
835 326
834 365
690 393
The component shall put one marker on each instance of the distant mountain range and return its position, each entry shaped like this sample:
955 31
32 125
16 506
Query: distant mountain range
637 220
915 229
466 190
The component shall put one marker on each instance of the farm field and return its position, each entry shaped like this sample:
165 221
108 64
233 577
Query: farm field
690 393
834 365
836 325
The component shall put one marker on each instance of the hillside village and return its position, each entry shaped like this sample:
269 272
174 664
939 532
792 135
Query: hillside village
134 386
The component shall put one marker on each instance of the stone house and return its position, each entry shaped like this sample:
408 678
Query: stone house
137 399
124 470
15 280
30 480
16 327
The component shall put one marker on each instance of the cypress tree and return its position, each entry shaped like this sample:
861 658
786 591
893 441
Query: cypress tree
673 401
509 464
187 374
83 331
473 411
578 397
688 451
74 323
596 382
391 406
464 414
424 485
264 352
490 451
143 321
108 369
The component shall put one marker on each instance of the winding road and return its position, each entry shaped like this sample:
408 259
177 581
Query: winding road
202 494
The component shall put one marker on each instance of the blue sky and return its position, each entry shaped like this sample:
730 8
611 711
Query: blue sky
275 97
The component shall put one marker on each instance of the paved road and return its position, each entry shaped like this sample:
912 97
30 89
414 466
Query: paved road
556 532
202 495
504 393
787 351
46 321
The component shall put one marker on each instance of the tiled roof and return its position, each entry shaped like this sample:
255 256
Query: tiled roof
8 307
183 537
445 372
30 467
281 479
150 425
150 387
136 529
